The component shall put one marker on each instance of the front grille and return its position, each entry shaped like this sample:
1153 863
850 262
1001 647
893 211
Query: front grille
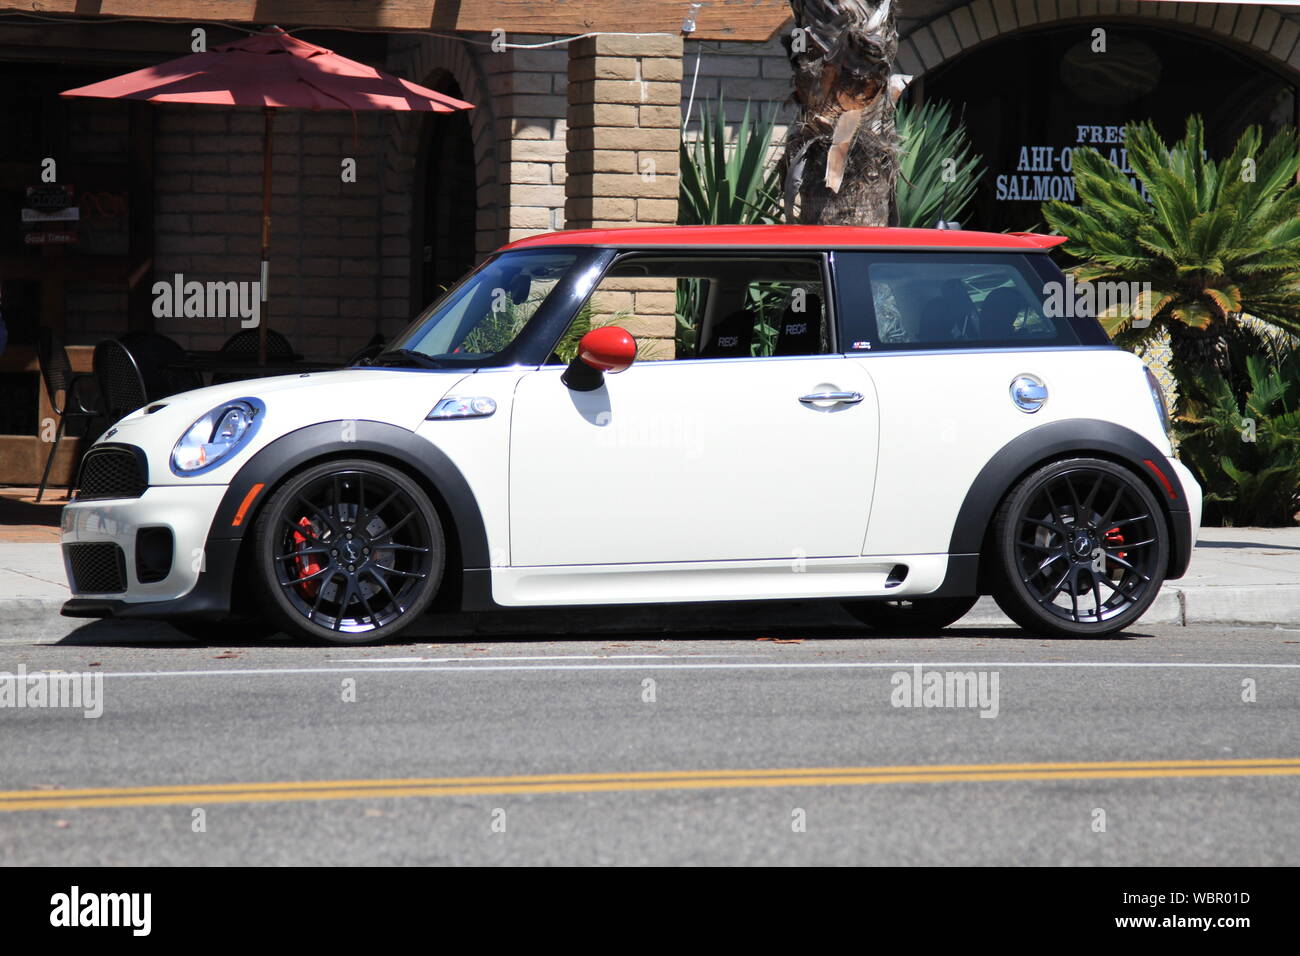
97 568
116 472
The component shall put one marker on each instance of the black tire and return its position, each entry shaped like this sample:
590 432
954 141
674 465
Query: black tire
1080 549
348 552
913 616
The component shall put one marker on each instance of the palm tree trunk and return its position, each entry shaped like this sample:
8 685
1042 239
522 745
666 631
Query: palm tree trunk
841 156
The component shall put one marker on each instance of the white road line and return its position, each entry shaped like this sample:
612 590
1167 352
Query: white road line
539 657
847 665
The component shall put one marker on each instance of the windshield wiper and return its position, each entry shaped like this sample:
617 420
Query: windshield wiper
419 358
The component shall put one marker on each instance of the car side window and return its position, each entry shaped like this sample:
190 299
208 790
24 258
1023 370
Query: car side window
943 301
692 307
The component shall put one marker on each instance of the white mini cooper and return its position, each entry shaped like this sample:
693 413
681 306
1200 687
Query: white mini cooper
888 418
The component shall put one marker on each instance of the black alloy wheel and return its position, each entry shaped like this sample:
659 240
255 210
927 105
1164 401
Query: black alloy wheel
348 552
1081 548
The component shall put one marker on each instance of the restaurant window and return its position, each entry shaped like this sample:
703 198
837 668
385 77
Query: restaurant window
1027 131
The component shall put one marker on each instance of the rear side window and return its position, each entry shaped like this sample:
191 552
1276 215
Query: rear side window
904 300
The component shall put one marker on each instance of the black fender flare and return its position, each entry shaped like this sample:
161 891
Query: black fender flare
367 439
1069 438
423 460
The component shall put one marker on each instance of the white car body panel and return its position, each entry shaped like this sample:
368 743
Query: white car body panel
480 448
399 396
945 414
797 578
187 511
712 460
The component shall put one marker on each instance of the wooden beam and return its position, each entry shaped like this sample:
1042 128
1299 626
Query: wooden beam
715 20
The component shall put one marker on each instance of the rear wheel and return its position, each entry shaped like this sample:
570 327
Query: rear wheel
348 552
911 616
1080 547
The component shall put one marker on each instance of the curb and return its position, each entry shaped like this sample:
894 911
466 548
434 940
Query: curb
1274 604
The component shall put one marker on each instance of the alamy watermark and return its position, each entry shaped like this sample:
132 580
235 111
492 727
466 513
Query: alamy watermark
950 689
208 300
44 689
75 908
1099 300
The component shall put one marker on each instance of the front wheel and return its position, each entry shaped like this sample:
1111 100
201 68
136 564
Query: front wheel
911 616
1080 548
348 552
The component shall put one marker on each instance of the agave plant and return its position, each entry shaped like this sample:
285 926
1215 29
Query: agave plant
929 187
729 183
1216 241
724 182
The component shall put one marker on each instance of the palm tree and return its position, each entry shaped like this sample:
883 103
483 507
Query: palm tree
841 157
1216 241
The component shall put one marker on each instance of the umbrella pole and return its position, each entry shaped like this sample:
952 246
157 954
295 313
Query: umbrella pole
269 115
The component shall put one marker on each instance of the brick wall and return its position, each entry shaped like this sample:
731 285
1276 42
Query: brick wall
758 73
341 253
99 132
326 235
530 95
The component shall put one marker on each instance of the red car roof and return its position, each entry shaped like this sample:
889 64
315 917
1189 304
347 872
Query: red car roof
779 236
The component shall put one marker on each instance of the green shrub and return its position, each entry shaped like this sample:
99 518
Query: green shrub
1243 443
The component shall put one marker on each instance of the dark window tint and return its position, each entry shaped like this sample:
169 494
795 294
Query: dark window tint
893 301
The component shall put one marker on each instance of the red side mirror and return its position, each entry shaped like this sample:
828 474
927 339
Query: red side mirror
606 349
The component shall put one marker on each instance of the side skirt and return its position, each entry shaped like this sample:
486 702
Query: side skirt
909 575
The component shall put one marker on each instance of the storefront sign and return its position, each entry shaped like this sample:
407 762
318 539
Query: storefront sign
71 214
49 215
50 237
49 197
1045 172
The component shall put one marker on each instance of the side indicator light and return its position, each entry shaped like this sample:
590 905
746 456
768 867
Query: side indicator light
1155 469
253 492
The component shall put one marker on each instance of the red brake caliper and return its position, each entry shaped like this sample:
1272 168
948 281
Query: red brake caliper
305 565
1115 538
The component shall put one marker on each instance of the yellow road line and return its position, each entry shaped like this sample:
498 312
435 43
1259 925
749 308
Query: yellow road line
292 791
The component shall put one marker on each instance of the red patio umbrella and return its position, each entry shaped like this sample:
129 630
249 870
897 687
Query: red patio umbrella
274 71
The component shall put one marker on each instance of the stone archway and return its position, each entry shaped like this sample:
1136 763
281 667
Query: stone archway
449 66
1254 29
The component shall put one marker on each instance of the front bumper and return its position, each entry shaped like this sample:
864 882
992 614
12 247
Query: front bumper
198 568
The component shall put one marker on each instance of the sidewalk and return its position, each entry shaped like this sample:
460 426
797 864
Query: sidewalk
1237 576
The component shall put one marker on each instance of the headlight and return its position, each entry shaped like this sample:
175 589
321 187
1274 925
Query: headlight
1158 396
480 407
216 436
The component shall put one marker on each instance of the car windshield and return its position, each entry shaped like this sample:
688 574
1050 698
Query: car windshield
486 312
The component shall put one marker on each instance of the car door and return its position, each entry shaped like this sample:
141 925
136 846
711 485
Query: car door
693 461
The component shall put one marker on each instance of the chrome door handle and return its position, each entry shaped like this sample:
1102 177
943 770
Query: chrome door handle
844 398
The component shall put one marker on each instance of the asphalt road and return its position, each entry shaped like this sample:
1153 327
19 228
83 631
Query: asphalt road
554 749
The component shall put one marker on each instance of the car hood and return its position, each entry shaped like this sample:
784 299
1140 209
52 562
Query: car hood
397 396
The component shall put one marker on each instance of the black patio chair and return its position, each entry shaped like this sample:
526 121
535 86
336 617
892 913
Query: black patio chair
363 355
121 386
244 343
155 354
65 389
